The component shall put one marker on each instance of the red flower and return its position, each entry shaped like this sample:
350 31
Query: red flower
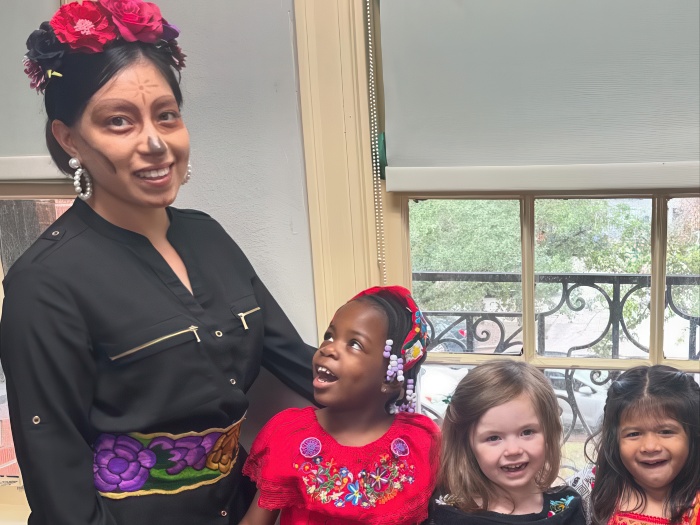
135 19
84 27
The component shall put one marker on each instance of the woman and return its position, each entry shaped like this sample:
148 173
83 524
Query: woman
131 330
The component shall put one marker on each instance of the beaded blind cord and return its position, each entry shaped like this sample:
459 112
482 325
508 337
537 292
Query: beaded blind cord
374 139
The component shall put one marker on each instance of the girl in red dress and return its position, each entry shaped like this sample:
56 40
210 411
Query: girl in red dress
647 470
367 457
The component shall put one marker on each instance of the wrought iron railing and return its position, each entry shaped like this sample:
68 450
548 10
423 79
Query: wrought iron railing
468 331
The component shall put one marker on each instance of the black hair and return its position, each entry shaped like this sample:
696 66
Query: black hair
656 391
399 324
83 74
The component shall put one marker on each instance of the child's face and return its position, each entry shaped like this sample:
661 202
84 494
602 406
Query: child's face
653 451
349 367
509 445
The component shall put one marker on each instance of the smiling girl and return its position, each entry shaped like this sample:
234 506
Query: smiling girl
647 469
501 451
367 457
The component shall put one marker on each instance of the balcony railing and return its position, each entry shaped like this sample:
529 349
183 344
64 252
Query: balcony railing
500 332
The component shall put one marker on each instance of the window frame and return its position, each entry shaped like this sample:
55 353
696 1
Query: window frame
336 30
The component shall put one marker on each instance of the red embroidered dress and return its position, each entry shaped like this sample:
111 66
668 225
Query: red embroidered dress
302 470
631 518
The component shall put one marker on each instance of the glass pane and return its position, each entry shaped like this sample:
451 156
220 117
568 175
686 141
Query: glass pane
466 273
21 222
682 315
592 264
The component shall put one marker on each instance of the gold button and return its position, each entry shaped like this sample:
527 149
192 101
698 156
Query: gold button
233 381
36 420
224 513
218 333
54 233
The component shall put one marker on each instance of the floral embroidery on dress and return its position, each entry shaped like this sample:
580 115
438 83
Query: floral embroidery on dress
325 482
558 506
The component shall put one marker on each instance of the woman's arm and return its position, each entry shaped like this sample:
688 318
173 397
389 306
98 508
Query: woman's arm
284 352
46 355
259 516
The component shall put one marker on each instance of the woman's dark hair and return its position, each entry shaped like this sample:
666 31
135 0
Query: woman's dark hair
83 74
399 322
641 392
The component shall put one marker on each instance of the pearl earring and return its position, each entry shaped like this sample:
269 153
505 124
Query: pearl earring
81 172
188 175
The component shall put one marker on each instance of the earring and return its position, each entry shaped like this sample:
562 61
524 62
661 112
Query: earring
81 172
383 389
188 175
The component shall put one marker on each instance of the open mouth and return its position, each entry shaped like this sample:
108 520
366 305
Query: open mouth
324 375
153 174
654 463
514 468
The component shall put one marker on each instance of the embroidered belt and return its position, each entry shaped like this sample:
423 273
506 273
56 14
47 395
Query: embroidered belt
134 464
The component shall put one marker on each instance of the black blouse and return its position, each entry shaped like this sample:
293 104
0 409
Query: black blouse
561 507
99 335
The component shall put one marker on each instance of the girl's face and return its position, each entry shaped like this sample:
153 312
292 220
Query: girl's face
509 445
133 142
349 367
653 451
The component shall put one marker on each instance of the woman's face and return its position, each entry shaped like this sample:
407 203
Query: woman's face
133 142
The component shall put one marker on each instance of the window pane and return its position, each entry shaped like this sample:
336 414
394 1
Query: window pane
466 273
21 222
592 264
682 315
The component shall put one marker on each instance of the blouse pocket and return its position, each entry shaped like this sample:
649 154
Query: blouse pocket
247 311
152 340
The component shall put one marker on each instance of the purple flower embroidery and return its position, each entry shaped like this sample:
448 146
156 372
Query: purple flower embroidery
310 447
399 447
186 452
121 462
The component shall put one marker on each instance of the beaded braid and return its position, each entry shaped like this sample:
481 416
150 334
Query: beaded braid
402 323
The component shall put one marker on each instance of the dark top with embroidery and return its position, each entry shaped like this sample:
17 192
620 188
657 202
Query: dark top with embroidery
315 480
99 339
562 507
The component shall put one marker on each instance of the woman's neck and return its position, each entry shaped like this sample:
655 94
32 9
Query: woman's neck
152 223
354 427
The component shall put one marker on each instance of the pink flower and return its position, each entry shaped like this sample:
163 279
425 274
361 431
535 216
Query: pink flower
135 19
84 27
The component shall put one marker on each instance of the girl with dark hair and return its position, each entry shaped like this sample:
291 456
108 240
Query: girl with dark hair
647 469
367 457
131 330
501 452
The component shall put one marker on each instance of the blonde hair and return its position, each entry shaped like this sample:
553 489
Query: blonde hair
483 388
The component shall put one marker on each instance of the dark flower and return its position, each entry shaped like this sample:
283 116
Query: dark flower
121 461
44 48
185 452
37 79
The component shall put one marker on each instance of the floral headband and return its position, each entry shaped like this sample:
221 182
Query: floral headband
417 340
88 27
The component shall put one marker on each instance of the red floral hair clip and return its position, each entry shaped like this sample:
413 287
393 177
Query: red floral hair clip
88 27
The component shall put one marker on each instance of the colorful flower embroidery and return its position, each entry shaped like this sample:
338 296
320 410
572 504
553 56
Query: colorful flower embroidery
327 483
558 506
